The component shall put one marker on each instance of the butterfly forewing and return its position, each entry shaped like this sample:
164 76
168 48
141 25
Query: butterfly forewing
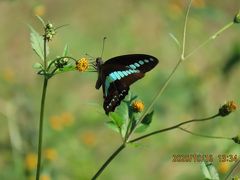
118 73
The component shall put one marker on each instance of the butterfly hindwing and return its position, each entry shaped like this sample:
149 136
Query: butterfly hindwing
118 73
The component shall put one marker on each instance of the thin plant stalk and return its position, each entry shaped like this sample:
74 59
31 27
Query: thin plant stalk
44 91
41 128
203 135
108 161
173 127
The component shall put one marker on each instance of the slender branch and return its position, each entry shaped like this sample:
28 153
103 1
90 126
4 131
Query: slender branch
205 136
173 127
41 128
118 150
185 30
209 39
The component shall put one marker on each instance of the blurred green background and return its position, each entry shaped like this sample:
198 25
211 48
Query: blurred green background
76 139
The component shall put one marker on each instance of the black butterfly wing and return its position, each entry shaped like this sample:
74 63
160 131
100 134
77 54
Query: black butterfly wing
118 73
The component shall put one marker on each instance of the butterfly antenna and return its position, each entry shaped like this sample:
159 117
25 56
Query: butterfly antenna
104 39
86 54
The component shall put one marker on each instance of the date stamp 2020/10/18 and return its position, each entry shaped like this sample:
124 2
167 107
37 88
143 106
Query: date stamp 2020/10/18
195 157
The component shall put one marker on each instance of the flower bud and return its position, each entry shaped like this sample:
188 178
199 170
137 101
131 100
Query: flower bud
227 108
82 64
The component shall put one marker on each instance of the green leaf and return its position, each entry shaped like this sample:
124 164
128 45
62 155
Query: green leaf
65 50
141 128
148 118
145 123
117 118
112 126
37 43
209 171
38 66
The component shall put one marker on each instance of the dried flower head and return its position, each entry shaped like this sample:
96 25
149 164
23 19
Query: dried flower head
82 64
236 139
138 106
237 18
227 108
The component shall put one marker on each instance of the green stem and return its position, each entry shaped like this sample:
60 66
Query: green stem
216 34
205 136
41 128
185 30
118 150
173 127
40 133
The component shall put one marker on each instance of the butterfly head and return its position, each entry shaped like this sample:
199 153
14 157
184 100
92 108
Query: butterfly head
98 63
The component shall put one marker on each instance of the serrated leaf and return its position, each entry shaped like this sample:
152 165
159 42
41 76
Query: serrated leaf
209 171
37 43
37 66
65 50
174 39
112 126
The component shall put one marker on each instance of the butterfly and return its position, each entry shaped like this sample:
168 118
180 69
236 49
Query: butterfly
118 73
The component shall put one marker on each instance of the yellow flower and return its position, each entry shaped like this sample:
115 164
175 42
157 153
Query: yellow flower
45 177
67 118
61 121
82 64
138 106
31 161
223 167
198 3
88 138
56 123
9 74
50 154
175 9
39 10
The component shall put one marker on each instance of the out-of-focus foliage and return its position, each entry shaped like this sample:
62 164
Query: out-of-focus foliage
76 139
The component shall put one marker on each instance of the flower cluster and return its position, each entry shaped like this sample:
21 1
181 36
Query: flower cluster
49 32
138 106
82 64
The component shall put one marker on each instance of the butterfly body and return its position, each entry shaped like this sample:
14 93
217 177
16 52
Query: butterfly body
118 73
